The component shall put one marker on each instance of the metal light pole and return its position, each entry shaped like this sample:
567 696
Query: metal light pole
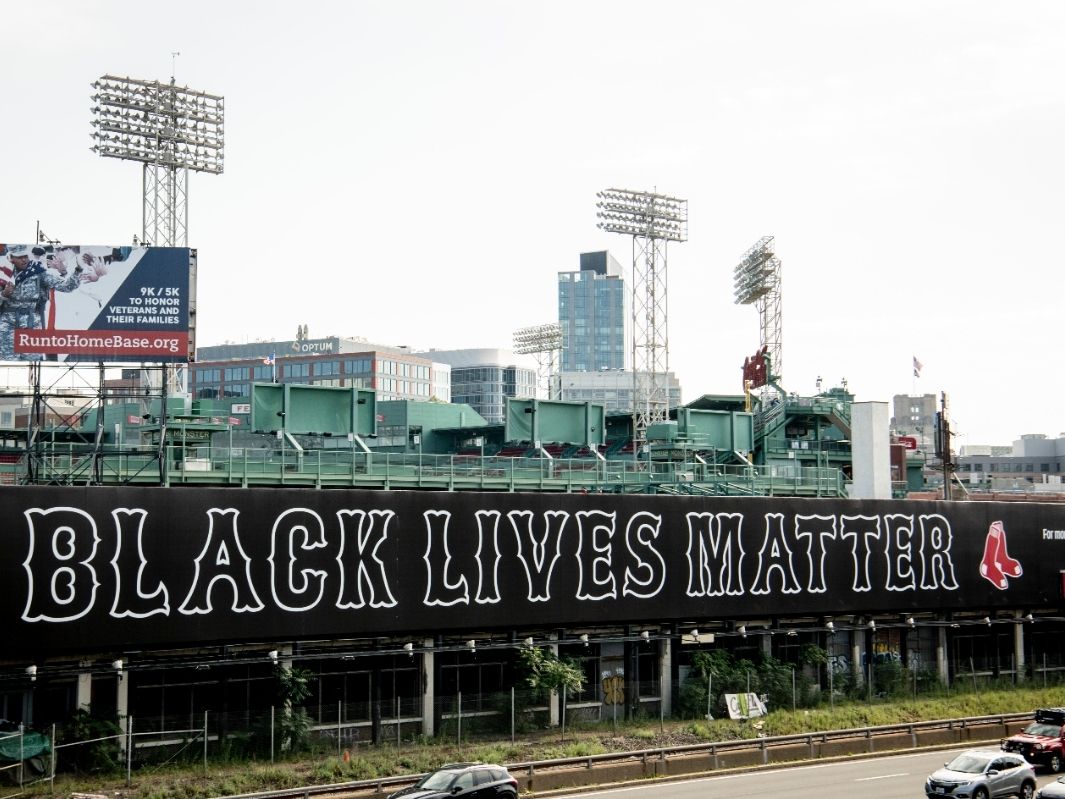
757 282
170 130
545 342
652 220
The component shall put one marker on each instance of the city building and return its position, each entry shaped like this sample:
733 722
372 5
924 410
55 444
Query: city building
395 373
1034 463
484 378
594 315
610 388
915 415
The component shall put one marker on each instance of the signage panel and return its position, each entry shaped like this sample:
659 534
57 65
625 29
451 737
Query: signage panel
92 303
94 568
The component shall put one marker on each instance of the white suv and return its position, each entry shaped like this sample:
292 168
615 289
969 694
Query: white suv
980 774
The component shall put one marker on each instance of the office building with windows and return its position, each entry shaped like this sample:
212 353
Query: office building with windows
395 373
485 378
1035 463
594 314
610 388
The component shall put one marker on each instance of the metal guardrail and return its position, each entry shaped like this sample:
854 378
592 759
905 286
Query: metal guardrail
658 753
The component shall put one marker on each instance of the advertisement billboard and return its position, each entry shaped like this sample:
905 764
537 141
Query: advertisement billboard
96 303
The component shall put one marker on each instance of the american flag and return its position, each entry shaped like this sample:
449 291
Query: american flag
269 359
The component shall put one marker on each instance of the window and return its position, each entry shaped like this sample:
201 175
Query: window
464 781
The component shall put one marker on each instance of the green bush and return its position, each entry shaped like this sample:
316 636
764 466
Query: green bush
98 757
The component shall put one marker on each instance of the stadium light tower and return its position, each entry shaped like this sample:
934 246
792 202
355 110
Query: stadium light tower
652 220
170 130
757 282
545 342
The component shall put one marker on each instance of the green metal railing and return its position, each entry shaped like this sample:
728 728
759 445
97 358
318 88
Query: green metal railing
73 464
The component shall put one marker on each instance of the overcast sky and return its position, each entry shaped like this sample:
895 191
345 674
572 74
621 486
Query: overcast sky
418 172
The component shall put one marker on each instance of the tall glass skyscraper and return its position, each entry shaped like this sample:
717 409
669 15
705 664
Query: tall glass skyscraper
593 312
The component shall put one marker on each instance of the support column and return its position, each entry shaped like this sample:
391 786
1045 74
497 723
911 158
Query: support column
122 710
554 709
428 689
286 657
942 668
766 644
84 696
1018 647
857 661
665 675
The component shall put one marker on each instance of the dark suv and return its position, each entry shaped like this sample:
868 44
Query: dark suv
1042 741
469 780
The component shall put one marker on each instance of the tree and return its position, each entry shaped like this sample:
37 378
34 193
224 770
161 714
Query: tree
293 686
547 671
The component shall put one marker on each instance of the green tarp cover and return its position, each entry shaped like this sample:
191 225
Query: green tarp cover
31 745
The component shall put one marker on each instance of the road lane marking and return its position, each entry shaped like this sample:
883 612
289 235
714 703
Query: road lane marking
759 772
883 776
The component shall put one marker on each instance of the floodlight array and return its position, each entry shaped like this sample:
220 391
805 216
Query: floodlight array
158 123
538 338
644 214
757 274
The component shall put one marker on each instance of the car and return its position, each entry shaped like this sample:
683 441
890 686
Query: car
469 780
983 774
1054 790
1042 742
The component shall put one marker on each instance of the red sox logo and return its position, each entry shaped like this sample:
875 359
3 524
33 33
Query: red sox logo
996 564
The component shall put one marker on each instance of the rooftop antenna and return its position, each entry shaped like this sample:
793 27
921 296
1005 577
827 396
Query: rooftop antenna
173 66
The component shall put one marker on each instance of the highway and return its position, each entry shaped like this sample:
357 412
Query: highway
895 777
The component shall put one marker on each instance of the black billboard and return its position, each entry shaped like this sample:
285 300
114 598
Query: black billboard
99 568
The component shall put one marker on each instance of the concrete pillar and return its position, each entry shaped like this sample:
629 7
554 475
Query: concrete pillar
870 451
84 695
122 709
286 657
767 644
428 689
857 661
665 675
554 705
1018 648
942 668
